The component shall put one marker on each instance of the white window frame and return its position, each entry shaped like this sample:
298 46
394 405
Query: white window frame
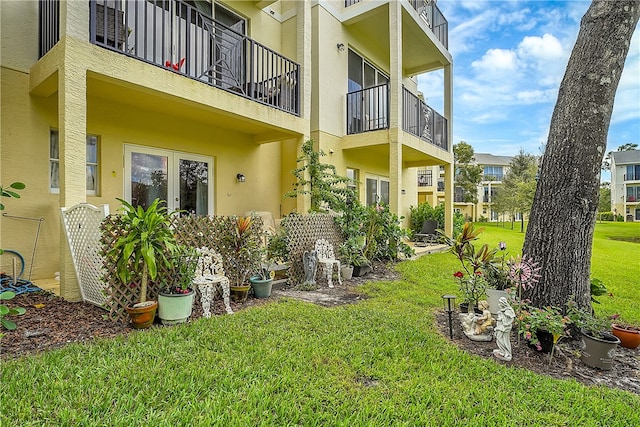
379 179
56 161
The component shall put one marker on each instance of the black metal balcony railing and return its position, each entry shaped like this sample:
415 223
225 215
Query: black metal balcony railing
49 28
429 11
425 178
422 121
184 39
368 109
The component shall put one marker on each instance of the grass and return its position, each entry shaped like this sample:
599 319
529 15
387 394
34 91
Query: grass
376 363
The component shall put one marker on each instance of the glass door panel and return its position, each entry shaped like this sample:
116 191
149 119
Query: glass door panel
372 191
148 178
193 186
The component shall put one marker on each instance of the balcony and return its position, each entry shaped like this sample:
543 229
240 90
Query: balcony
368 109
430 13
492 177
631 177
423 121
185 40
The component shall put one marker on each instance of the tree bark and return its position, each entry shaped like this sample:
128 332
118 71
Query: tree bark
560 232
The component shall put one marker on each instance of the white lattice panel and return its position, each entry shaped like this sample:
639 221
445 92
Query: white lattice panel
82 227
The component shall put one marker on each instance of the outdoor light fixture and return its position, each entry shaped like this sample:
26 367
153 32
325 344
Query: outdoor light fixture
449 304
340 47
240 178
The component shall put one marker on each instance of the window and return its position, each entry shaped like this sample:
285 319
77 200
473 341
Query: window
492 173
633 194
425 177
92 163
633 173
352 176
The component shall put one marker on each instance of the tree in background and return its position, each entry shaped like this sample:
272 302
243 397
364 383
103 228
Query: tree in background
515 195
468 174
560 232
604 197
606 163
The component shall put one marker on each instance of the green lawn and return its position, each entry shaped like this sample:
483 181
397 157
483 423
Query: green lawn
376 363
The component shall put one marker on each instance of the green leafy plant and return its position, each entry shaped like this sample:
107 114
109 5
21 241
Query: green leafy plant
327 189
242 248
183 271
474 262
8 191
351 252
532 320
384 238
6 311
585 321
146 241
598 289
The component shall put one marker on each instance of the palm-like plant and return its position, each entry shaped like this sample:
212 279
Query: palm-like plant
146 242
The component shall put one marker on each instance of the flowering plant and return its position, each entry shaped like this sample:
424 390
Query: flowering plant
472 281
532 320
472 287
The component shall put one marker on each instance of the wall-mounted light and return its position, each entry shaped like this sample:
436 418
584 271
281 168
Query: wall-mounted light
240 178
340 47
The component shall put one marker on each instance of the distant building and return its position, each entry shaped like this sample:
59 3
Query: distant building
494 170
625 184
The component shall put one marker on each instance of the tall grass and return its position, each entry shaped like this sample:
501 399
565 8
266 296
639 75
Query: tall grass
376 363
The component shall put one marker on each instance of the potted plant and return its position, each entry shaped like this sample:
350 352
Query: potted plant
145 243
497 275
472 281
351 253
243 254
628 335
175 300
597 343
542 327
262 281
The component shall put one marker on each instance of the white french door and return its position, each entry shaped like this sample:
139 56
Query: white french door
377 190
183 180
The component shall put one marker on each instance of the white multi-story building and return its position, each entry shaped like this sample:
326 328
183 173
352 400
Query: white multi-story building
625 184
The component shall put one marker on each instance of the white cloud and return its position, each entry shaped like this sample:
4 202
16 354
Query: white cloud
496 61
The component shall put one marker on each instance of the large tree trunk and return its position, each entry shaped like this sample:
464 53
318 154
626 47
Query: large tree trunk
560 232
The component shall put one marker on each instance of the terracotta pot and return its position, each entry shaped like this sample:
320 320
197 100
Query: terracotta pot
142 314
629 338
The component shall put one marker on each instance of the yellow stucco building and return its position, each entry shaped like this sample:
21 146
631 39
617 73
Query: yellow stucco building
207 103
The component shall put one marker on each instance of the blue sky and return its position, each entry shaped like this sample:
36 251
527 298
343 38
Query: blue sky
509 59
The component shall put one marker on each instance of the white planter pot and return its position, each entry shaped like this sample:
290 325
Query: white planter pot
493 296
347 272
175 308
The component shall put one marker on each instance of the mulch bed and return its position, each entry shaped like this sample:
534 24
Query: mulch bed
51 322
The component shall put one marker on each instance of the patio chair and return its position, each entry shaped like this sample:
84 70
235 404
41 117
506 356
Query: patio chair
209 272
327 259
427 235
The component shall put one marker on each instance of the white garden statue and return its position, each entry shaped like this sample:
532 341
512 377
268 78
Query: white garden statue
506 315
478 327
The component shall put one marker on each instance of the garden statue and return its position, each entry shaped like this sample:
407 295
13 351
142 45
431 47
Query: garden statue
506 315
478 327
310 264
